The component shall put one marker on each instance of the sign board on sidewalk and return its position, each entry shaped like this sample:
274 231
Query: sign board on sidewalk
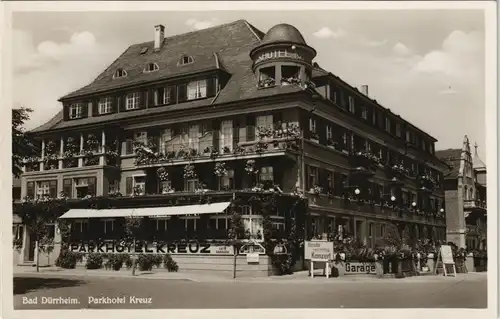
280 249
317 250
252 247
252 257
445 258
357 268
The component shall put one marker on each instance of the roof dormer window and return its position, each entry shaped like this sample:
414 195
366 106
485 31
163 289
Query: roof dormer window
120 73
186 59
151 67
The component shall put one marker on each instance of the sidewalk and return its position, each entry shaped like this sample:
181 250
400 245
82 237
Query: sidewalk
298 277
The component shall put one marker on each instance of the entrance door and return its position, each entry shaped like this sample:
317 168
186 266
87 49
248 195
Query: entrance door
31 250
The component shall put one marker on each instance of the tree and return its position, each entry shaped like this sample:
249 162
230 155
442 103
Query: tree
22 145
36 215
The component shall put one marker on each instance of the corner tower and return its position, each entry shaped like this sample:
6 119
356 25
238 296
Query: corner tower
282 58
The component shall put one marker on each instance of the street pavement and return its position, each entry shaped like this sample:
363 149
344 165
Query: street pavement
99 290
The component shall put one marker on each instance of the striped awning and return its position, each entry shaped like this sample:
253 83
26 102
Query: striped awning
214 208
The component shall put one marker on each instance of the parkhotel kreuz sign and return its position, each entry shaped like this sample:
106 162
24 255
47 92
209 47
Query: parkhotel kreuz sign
153 248
318 250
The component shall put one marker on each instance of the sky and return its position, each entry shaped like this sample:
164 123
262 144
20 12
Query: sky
425 65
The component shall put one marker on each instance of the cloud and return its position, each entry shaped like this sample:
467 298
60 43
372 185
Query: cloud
401 49
326 32
62 66
375 43
461 54
201 24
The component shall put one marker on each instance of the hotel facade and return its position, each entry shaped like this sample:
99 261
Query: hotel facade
227 112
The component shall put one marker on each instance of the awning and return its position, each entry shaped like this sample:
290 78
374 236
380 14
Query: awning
214 208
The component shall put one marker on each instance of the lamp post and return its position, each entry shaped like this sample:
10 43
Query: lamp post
357 191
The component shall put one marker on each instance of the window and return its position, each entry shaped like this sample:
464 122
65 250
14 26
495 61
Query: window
408 139
141 137
329 133
264 121
334 96
186 60
108 226
80 226
329 180
194 135
253 224
85 186
105 105
68 187
312 125
266 174
227 180
197 89
165 138
76 111
351 104
190 185
151 67
168 95
165 186
364 113
47 189
226 138
312 176
387 124
132 101
120 73
139 185
161 224
398 129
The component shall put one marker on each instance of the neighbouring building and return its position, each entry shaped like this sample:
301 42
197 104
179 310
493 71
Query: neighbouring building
230 111
465 197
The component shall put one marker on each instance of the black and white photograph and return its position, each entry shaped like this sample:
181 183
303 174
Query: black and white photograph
250 155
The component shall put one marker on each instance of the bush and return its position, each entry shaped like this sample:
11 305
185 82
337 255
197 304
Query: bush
169 263
128 261
145 262
115 261
94 261
282 264
157 260
68 259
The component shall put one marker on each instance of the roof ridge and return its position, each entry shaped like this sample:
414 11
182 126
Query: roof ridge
252 29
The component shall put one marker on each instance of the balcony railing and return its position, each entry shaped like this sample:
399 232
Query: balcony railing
474 204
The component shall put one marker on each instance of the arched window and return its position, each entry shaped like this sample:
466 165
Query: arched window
151 67
120 73
185 59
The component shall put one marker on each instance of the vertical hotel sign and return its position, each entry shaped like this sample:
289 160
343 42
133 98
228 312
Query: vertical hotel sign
318 250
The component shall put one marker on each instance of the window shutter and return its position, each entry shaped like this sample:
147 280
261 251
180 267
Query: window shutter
95 106
306 182
121 100
68 187
53 189
91 181
236 133
161 96
250 120
66 112
30 189
128 185
211 89
277 120
143 99
216 134
85 110
182 93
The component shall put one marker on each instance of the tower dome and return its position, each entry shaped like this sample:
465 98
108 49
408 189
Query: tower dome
283 33
282 58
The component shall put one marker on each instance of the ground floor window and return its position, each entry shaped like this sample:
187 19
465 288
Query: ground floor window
17 232
253 225
108 225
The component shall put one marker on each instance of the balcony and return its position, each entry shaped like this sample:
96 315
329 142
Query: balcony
178 151
474 204
370 208
363 163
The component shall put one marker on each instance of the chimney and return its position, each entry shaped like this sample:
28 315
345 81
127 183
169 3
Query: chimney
364 89
159 36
